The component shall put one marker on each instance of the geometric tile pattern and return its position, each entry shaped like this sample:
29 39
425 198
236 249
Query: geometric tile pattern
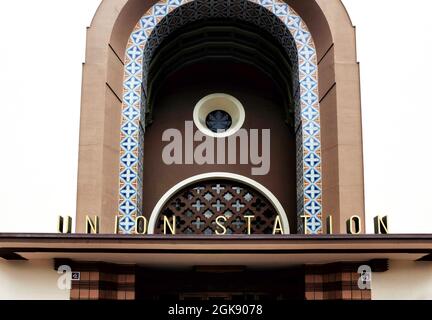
287 27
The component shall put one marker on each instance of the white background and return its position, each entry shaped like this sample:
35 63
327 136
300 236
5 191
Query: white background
42 46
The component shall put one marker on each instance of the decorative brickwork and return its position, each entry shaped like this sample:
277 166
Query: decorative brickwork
102 281
338 281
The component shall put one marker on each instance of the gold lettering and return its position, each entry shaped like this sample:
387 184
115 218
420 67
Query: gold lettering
64 224
141 225
354 225
218 222
305 219
116 224
381 225
92 226
172 226
249 220
329 224
278 226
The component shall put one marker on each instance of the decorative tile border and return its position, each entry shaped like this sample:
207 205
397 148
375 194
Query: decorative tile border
289 30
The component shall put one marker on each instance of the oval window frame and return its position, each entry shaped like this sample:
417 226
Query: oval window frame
219 101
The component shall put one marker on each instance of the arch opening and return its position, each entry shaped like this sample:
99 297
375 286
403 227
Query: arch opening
285 25
245 206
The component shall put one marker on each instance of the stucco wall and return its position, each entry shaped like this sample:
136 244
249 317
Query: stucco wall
406 280
30 280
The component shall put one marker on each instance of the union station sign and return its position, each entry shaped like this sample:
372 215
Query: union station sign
170 225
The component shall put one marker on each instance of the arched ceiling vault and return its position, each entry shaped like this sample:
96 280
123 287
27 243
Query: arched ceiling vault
222 41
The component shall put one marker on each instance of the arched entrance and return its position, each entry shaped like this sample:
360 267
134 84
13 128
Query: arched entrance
102 98
220 203
287 28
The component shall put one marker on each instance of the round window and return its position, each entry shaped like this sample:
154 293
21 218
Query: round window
219 115
218 121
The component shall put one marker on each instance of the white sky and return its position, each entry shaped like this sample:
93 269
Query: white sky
41 53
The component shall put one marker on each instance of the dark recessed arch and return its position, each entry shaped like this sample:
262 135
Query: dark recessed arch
276 17
222 40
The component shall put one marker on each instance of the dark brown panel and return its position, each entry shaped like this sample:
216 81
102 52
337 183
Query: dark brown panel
10 255
263 111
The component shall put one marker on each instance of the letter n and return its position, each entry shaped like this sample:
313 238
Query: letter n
92 226
172 226
381 225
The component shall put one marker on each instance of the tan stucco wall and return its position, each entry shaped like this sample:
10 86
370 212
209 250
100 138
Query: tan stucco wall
405 280
334 35
342 144
30 280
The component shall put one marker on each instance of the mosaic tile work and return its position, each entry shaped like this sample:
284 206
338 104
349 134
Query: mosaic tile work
288 28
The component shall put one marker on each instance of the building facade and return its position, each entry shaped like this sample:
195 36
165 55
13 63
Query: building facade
221 157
